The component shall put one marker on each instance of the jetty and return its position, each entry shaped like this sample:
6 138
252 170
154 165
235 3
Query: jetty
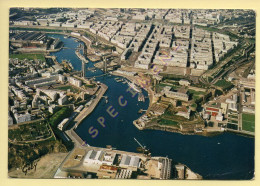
81 57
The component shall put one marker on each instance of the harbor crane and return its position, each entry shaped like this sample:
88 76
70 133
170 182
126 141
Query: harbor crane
142 148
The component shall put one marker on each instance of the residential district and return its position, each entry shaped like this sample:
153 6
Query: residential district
198 67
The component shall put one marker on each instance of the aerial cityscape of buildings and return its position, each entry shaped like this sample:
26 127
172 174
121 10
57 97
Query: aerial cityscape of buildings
196 65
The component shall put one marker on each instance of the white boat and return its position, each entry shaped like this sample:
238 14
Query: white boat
141 97
134 87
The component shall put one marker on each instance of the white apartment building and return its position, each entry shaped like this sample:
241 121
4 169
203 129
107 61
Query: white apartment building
22 117
74 81
62 99
55 24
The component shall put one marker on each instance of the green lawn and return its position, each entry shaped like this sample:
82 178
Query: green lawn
224 84
196 98
194 92
28 56
168 122
248 122
194 105
232 121
56 118
209 79
218 30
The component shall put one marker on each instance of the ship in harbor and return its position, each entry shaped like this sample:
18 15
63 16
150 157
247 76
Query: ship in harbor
134 87
67 65
141 97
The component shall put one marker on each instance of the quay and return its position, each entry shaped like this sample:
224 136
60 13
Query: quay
86 111
83 114
54 59
81 57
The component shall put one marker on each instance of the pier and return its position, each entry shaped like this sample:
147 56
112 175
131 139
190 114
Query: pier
54 59
141 110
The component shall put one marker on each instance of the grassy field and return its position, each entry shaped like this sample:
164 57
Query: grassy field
28 56
59 116
224 84
168 122
28 132
209 79
248 122
194 105
196 94
218 30
232 121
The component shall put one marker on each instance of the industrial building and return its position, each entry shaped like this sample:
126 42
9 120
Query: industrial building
75 81
129 161
55 43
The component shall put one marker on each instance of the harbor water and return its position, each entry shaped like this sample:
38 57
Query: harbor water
226 156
